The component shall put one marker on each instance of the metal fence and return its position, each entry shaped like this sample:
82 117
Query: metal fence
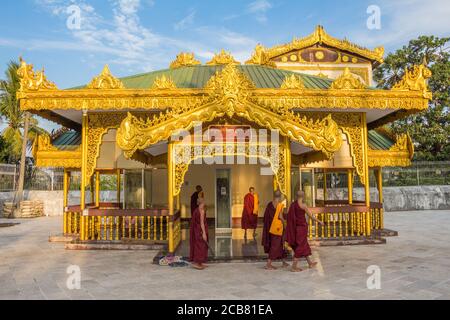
47 179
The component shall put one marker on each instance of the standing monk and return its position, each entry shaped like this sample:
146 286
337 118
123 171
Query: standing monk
194 198
297 231
198 240
250 212
272 238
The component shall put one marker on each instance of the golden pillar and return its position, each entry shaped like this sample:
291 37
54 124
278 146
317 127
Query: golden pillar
118 186
91 189
379 174
287 174
366 172
65 200
350 185
84 141
97 189
170 177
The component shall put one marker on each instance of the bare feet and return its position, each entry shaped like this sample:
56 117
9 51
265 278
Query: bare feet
296 269
198 266
285 264
312 265
270 267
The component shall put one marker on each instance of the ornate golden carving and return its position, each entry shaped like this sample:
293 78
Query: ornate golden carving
292 82
229 86
33 81
98 126
105 81
260 57
415 79
399 155
274 155
184 59
222 58
164 82
347 81
320 36
47 155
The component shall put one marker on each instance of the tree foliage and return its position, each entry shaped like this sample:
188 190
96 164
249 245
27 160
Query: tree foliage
430 130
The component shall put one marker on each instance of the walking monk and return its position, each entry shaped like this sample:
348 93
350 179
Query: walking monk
250 212
297 231
194 198
198 240
273 232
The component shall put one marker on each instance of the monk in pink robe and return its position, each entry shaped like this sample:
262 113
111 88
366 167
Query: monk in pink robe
297 231
249 218
273 244
198 240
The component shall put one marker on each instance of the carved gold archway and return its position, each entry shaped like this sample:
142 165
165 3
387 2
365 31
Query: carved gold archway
275 155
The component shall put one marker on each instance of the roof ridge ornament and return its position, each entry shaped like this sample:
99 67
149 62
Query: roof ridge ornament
292 82
230 87
163 83
347 81
31 80
105 80
222 58
184 59
260 57
415 79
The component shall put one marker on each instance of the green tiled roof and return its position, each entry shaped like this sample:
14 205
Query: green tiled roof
72 139
198 76
68 140
378 141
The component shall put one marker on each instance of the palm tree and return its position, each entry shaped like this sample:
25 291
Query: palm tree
21 128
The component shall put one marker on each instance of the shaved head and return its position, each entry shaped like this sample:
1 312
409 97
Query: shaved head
300 194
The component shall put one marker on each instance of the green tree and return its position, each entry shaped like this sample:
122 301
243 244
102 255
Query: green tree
430 130
5 150
13 116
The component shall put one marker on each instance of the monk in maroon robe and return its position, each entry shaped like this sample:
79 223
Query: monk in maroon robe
273 244
194 198
297 231
249 218
198 240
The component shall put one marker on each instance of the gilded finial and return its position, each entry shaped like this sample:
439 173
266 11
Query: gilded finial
292 82
347 81
184 59
31 80
260 57
105 80
415 79
222 58
163 82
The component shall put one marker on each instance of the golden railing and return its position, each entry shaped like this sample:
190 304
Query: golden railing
340 222
377 215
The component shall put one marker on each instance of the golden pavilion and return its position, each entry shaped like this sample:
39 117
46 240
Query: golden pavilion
316 92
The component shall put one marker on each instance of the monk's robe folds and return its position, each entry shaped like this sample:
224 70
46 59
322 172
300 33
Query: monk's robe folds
297 231
198 246
273 244
249 219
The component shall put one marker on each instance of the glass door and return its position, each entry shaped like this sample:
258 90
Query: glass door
223 201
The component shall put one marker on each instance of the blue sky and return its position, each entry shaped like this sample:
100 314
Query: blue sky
135 36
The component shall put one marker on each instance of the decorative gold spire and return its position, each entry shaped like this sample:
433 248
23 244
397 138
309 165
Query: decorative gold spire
292 82
184 59
163 82
347 81
260 57
415 79
105 80
33 81
229 87
222 58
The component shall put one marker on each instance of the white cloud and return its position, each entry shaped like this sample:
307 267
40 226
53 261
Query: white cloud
259 8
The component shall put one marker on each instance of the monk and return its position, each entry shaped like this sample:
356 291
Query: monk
273 243
198 240
297 231
194 198
250 212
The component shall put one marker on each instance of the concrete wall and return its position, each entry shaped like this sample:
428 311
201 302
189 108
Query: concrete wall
395 198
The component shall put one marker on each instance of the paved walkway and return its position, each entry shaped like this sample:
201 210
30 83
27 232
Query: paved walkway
414 265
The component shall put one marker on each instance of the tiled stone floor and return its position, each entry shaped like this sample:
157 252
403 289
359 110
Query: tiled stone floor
415 265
